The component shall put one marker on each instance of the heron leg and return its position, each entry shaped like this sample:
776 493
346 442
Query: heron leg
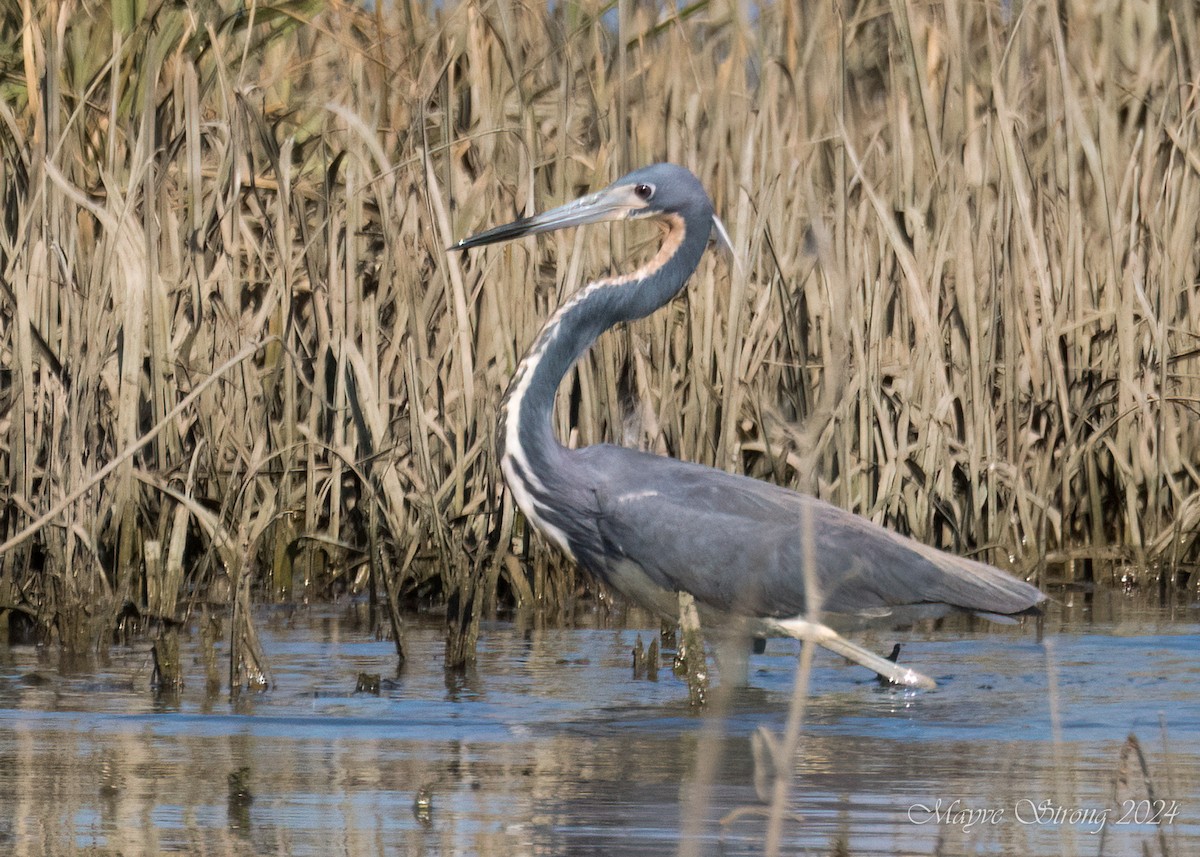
823 635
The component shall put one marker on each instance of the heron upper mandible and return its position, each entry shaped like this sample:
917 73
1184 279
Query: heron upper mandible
652 527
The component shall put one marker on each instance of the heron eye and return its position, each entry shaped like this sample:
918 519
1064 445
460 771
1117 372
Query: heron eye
644 191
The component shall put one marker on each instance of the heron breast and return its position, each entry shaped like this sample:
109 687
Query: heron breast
524 490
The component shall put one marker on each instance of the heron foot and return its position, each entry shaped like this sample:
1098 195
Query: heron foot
823 635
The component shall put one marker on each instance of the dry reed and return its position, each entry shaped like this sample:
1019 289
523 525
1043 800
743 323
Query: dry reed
966 303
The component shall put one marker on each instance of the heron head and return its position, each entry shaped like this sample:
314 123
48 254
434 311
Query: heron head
658 190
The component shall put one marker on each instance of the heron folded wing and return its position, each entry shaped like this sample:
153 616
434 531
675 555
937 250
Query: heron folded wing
740 545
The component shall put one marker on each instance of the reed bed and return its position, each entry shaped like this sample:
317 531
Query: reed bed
236 362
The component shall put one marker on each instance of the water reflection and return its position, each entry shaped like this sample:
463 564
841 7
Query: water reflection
549 747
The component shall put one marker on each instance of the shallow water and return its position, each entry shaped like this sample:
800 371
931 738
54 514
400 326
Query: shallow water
550 747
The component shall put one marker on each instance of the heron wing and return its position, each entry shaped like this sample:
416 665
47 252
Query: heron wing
740 545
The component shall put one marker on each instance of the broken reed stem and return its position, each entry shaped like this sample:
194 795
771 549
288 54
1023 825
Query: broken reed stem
691 662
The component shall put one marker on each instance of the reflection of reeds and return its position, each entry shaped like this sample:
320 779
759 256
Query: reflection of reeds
1005 218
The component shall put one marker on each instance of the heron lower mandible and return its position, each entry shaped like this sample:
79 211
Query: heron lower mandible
652 527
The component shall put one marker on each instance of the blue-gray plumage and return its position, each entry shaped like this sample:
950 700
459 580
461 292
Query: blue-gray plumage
652 527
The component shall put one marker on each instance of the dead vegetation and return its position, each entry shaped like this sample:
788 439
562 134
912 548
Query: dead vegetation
235 357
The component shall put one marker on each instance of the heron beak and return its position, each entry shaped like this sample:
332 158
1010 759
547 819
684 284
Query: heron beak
613 203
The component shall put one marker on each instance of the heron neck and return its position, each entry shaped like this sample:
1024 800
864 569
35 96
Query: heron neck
529 404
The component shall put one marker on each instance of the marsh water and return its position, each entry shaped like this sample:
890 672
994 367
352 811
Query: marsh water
550 747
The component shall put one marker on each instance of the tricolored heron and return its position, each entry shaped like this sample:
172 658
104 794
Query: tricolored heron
652 527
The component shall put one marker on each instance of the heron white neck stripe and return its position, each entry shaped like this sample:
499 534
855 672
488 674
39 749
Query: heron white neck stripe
522 478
